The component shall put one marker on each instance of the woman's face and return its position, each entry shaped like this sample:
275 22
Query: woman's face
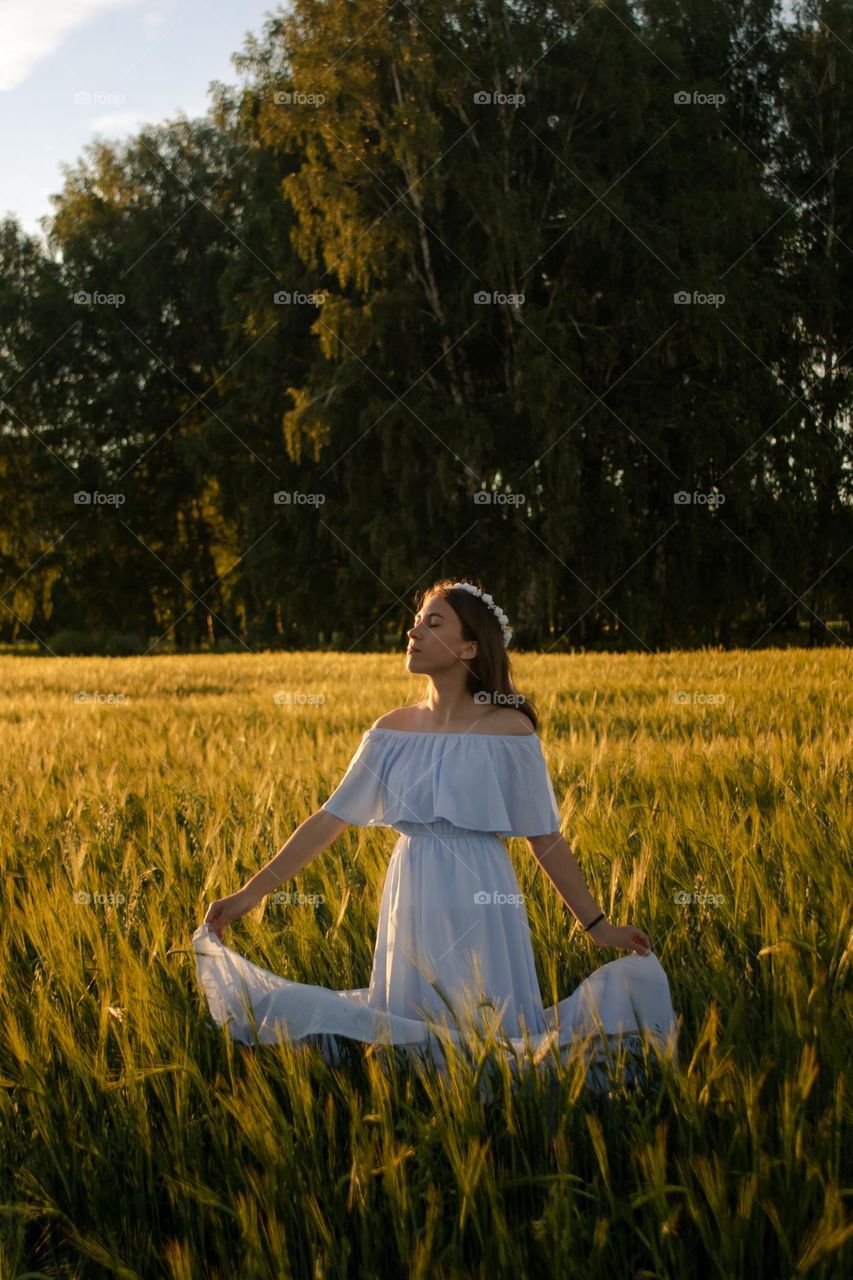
436 642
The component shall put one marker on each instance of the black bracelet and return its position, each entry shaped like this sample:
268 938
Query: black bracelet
587 927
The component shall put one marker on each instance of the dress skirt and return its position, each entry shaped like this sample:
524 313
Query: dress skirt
452 958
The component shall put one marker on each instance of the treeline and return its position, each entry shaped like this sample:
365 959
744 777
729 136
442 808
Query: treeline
558 296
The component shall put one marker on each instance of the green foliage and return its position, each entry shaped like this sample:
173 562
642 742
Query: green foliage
109 643
357 163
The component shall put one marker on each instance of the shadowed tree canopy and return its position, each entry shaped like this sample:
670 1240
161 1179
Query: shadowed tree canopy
556 296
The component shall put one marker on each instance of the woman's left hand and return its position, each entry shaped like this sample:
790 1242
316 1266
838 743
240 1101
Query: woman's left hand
625 936
225 911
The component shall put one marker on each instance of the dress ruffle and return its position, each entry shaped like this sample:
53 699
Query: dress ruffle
626 1002
477 781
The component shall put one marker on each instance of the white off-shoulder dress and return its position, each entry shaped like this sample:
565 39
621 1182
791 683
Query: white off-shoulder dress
453 944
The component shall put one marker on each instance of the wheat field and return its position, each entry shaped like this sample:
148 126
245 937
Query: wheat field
707 797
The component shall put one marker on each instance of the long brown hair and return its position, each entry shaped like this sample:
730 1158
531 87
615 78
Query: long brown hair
490 673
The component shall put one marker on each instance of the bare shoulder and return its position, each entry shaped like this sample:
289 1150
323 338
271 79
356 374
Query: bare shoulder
510 720
399 718
499 721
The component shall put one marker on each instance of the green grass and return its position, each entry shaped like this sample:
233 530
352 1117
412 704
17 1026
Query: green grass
138 1140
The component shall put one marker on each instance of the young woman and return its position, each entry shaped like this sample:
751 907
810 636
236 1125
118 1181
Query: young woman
451 775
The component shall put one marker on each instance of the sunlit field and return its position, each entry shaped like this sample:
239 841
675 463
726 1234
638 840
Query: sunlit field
707 797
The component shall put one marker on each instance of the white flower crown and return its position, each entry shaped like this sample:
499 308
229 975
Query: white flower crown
495 608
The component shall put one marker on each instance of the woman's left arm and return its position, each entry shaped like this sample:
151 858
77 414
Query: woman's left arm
561 867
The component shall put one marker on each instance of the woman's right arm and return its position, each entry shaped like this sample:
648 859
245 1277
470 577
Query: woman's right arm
309 839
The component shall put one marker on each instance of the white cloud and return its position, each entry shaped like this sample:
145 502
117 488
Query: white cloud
33 33
120 123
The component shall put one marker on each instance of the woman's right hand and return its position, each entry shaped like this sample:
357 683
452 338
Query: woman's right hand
625 936
225 911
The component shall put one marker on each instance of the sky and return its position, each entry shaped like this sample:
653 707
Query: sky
74 70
